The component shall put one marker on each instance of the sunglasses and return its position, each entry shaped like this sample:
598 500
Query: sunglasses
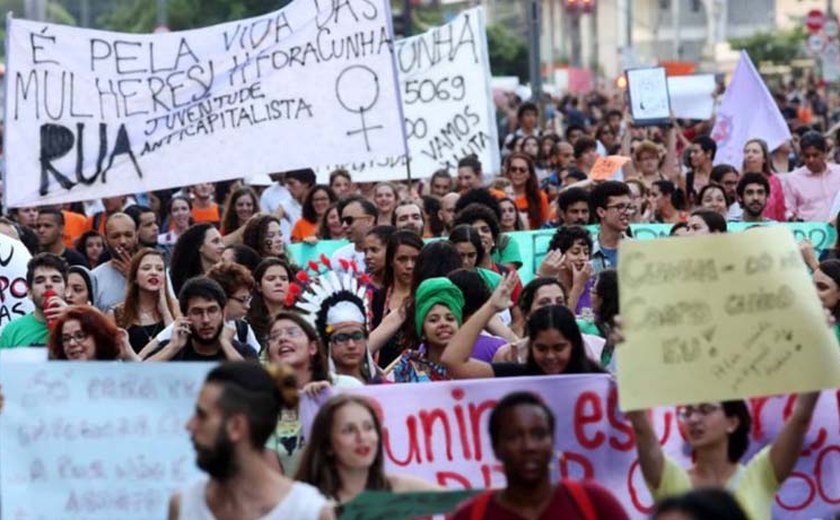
344 337
349 220
517 169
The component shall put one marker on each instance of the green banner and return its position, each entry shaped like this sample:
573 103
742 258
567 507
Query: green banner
533 245
384 505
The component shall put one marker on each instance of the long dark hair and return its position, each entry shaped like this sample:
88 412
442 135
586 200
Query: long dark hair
258 315
318 361
436 259
466 233
254 234
397 239
532 186
556 317
739 440
318 465
831 268
606 285
186 259
308 211
230 220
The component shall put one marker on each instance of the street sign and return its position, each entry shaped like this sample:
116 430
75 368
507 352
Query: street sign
830 28
816 43
830 59
814 20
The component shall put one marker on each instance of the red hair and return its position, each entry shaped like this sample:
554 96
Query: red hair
104 333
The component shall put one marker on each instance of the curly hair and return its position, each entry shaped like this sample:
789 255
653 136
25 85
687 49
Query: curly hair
186 258
93 323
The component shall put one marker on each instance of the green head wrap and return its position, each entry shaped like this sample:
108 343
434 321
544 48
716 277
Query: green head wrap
437 291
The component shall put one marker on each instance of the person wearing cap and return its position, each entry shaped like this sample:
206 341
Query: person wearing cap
438 315
285 197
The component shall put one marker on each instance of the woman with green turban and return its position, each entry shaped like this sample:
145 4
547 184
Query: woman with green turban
439 311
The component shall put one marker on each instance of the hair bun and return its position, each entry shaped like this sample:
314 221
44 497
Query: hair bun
285 381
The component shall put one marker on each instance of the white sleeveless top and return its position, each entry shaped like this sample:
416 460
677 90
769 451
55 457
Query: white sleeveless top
303 502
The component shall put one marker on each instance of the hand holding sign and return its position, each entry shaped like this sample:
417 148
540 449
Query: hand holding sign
718 318
605 167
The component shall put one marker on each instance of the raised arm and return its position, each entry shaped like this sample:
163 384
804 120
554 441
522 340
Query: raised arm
651 458
386 329
456 357
784 451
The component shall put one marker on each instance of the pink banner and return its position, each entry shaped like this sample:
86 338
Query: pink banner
438 431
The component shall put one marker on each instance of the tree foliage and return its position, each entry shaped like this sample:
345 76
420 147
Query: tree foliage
776 46
508 53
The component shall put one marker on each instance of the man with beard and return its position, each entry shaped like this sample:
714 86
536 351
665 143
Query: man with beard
200 335
408 215
573 207
522 436
121 239
235 413
753 191
46 277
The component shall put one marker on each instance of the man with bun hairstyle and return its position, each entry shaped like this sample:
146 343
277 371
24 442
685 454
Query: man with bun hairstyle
235 413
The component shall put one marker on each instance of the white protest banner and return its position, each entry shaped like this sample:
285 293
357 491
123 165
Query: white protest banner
442 436
692 97
92 114
447 103
647 89
14 301
95 440
24 355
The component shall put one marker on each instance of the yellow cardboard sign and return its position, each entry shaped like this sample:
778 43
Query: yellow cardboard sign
720 317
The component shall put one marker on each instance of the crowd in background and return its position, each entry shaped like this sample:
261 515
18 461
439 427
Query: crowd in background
204 273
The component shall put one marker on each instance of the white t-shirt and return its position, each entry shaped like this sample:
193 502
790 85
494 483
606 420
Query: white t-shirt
303 502
276 196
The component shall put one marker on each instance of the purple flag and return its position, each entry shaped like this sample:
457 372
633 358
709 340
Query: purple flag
747 111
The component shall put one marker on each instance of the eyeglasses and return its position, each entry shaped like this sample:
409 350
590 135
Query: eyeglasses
244 301
703 410
200 313
623 208
344 337
77 336
291 333
517 169
349 220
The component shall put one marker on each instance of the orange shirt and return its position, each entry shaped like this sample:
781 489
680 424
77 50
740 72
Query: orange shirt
522 205
74 226
100 227
209 214
303 229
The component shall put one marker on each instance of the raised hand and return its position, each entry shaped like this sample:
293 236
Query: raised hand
553 263
582 275
501 297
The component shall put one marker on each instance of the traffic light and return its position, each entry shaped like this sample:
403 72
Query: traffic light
579 6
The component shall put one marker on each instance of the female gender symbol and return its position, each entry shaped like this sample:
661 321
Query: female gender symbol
355 98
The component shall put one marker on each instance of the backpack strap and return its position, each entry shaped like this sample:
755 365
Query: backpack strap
479 505
241 331
580 498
